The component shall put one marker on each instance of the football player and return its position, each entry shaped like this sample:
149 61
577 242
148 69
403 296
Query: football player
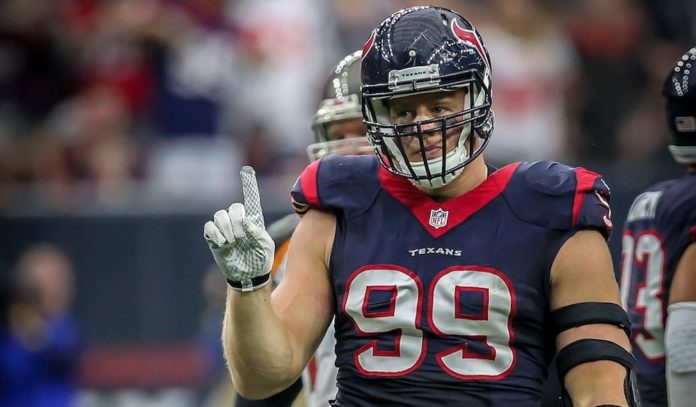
451 283
658 261
338 129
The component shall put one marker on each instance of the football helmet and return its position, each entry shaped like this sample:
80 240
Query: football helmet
679 92
423 50
341 100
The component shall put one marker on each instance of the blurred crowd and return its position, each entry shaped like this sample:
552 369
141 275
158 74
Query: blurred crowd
119 103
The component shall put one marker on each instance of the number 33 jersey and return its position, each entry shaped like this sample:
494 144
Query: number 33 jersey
660 225
446 303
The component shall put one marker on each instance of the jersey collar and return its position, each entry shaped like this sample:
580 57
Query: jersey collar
440 217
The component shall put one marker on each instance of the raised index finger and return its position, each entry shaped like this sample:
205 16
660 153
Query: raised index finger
252 202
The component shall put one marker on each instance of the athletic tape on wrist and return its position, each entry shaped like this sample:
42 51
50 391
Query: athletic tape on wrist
250 284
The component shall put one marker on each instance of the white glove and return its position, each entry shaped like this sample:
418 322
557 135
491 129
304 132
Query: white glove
240 244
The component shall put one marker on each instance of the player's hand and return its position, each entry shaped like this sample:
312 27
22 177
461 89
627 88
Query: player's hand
238 239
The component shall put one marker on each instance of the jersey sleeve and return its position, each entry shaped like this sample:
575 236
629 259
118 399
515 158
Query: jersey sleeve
336 183
591 202
304 194
557 196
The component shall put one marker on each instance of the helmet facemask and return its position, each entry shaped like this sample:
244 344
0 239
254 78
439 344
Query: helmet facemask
469 125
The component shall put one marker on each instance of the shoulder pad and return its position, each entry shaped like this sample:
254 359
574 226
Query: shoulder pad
557 196
678 208
669 205
346 183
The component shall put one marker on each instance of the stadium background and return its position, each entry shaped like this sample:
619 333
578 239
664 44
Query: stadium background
123 124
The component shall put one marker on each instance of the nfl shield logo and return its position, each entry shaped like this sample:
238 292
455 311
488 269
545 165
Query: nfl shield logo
438 218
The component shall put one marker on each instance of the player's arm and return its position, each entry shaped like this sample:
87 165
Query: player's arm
269 338
680 332
268 342
584 301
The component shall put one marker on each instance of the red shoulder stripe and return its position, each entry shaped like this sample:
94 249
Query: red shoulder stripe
585 183
308 181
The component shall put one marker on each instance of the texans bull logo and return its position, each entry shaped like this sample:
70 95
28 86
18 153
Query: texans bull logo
368 45
470 38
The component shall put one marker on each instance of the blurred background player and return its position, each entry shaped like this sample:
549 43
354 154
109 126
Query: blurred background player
39 344
338 129
658 281
338 126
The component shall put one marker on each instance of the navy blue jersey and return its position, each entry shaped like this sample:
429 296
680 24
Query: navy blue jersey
660 225
446 303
